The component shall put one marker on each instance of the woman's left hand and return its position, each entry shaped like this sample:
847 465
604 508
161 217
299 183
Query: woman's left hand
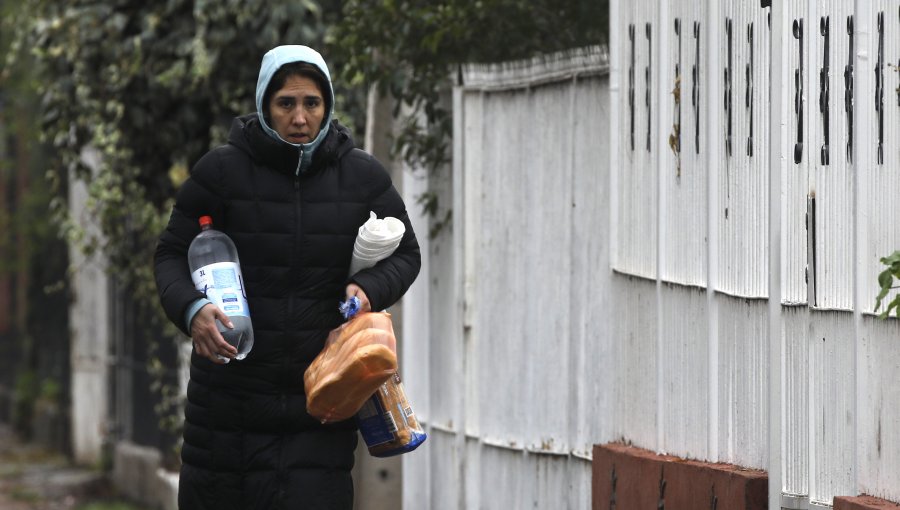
355 290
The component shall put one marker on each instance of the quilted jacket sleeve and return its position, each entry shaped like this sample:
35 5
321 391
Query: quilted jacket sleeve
200 195
387 281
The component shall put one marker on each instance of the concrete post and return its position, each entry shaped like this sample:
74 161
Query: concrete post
90 333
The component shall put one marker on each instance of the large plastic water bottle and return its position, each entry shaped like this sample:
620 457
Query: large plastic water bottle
216 271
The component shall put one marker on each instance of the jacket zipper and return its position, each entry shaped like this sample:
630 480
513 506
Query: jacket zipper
296 250
283 395
291 303
299 162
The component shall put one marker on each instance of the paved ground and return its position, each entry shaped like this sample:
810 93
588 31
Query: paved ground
32 478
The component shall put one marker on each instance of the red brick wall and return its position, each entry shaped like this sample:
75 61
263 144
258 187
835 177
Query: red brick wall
626 478
863 503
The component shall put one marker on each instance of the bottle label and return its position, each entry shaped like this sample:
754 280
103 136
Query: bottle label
223 284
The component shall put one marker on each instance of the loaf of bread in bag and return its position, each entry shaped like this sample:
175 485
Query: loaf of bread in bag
392 398
375 320
358 357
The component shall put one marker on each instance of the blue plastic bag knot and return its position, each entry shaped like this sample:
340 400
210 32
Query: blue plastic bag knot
349 308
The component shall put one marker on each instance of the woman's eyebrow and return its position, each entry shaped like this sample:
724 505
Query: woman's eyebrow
289 94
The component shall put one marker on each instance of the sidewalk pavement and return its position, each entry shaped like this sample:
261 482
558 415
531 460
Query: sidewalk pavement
34 478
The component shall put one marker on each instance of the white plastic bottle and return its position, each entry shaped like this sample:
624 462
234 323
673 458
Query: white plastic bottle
216 271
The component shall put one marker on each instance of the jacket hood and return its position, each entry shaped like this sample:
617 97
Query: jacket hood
271 62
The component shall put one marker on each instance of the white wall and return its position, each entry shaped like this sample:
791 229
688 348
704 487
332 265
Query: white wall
593 291
516 293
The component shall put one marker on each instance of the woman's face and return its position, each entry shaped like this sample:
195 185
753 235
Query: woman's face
297 109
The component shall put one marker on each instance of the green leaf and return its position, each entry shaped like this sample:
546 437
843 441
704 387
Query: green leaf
885 279
893 258
895 304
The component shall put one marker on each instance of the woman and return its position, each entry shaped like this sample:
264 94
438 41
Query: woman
291 191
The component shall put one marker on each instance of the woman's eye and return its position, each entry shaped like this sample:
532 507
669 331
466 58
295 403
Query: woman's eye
312 103
286 103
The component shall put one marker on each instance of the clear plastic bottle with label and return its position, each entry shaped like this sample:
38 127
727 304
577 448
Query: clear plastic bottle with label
216 271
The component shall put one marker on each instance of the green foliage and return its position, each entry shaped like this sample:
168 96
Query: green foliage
151 86
411 48
24 223
886 282
148 87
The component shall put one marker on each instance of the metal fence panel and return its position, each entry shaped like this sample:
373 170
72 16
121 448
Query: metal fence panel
636 175
831 182
795 180
442 404
683 196
743 382
525 207
414 345
832 402
738 151
797 403
634 327
877 203
879 414
589 380
684 372
446 479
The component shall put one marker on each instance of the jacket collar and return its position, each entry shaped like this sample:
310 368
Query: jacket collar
247 134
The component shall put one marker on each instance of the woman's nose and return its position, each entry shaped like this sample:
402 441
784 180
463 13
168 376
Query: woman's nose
299 118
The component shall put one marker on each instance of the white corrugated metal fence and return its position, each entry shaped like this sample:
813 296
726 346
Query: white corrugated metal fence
608 273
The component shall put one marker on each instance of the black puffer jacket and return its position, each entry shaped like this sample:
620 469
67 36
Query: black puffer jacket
248 441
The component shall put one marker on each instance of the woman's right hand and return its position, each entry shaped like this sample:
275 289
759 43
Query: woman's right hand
208 342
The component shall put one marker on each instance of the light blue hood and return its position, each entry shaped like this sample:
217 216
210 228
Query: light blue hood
271 62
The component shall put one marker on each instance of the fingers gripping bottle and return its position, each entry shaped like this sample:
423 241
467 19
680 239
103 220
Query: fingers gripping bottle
216 272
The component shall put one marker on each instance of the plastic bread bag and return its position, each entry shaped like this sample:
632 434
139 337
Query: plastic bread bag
358 357
387 422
